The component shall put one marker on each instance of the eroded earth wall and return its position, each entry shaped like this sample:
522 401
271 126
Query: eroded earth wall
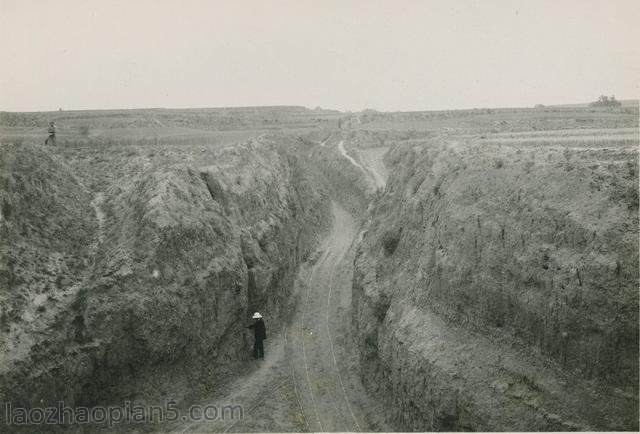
496 288
183 254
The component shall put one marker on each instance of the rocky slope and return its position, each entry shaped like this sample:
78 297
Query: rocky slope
496 288
185 252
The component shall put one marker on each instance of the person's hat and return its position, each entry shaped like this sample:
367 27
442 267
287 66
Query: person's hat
257 315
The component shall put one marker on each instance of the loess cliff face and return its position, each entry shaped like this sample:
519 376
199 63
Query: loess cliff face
183 253
46 242
46 222
496 288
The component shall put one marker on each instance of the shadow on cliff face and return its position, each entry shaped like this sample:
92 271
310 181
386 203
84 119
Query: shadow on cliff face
187 252
503 280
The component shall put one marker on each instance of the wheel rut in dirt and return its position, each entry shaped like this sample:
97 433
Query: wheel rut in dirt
323 393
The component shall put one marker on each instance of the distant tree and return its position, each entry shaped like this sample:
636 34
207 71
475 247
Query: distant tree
606 101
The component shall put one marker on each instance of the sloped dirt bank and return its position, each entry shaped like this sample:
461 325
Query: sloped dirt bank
186 253
496 288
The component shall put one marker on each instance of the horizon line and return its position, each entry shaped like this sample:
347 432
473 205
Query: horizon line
317 108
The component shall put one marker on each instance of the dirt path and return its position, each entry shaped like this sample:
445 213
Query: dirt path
309 380
158 122
348 157
322 355
372 158
96 204
322 390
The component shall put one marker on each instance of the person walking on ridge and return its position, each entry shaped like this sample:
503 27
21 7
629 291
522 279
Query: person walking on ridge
51 140
260 334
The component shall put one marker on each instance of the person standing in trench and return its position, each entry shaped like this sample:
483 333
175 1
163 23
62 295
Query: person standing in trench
260 334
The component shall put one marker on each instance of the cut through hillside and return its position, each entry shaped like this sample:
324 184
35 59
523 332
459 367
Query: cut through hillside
410 280
310 379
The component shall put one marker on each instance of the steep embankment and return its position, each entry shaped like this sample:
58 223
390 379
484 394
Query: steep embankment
497 288
46 227
187 252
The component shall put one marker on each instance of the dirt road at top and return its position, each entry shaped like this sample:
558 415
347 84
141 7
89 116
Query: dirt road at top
309 380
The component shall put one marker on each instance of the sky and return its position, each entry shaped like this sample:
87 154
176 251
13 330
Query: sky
347 55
